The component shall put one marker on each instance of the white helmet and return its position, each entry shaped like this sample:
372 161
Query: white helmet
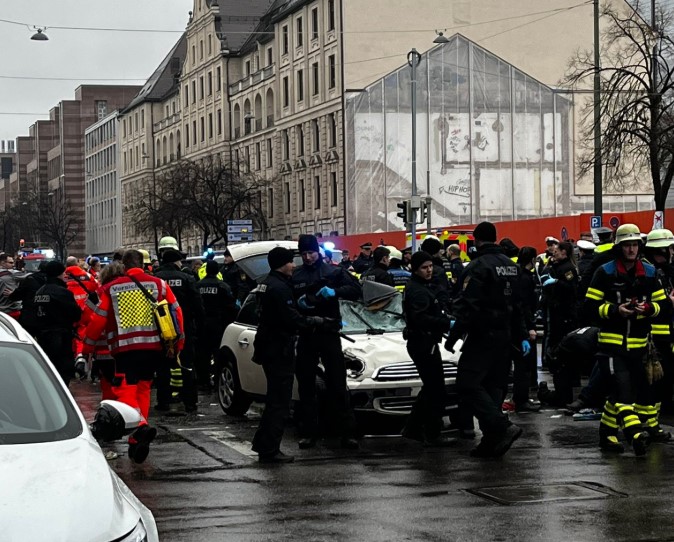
168 242
627 232
395 254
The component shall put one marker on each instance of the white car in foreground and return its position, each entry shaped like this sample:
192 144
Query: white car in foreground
55 482
381 377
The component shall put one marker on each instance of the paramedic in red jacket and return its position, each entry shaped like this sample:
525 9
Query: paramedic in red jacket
80 284
125 315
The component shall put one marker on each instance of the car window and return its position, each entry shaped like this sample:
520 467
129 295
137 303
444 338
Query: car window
249 313
356 318
33 406
257 267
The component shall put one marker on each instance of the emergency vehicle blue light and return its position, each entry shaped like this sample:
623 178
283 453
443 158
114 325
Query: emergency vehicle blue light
329 245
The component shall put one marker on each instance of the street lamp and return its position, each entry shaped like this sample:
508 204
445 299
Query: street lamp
440 39
39 34
413 58
598 204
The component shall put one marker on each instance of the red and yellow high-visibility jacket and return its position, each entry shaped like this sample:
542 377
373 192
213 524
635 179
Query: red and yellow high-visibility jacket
126 316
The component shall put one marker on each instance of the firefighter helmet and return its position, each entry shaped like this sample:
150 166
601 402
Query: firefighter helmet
627 232
660 239
395 254
146 255
168 242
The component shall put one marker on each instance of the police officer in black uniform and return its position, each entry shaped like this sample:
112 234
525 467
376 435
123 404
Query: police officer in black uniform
275 351
364 260
25 293
440 282
240 283
219 311
318 287
379 271
181 374
426 323
487 312
56 313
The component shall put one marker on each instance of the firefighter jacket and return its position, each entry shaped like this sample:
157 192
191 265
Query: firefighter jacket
613 285
219 303
309 279
423 311
126 315
489 299
55 307
184 287
201 274
81 284
378 273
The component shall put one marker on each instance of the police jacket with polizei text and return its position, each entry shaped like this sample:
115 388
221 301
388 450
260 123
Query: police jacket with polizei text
308 279
613 285
378 273
219 303
55 307
240 283
561 297
489 298
184 287
423 311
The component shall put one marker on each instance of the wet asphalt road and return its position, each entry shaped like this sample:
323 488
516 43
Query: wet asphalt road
203 483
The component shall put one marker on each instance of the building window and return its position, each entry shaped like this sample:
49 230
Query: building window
201 49
135 121
194 55
316 80
210 83
270 152
300 29
301 194
314 24
194 131
333 186
219 121
246 157
270 56
287 197
202 126
201 87
332 125
218 79
168 109
331 15
333 71
187 135
258 156
187 95
210 45
270 202
247 68
194 92
286 92
315 136
300 85
317 192
300 141
124 127
210 126
142 119
286 145
285 40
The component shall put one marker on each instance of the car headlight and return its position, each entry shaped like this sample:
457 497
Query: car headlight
354 365
139 534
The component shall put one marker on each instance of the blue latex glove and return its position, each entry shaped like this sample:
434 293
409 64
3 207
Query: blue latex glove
238 304
451 323
326 292
549 282
302 303
526 347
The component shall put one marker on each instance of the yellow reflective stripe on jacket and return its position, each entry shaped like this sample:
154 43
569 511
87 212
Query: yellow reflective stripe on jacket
603 310
610 338
636 343
400 287
595 294
656 309
659 295
660 329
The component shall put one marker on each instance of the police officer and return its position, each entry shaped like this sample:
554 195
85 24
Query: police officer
379 271
586 253
426 323
345 262
25 293
274 350
181 373
57 312
201 273
440 282
237 279
219 311
364 260
400 276
318 287
488 312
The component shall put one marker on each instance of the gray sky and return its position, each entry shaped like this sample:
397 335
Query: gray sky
76 54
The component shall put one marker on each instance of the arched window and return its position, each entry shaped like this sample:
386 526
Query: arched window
270 107
258 112
158 153
178 153
237 121
247 117
164 150
172 149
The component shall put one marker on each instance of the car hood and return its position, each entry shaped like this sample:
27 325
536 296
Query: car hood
62 491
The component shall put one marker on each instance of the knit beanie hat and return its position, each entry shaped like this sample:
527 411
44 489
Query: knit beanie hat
306 243
279 256
419 259
431 245
485 231
54 269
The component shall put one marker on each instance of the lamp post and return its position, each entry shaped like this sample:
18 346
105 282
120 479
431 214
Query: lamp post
598 204
413 58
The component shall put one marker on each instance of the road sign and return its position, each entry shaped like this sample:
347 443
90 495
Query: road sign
614 222
236 237
242 222
240 229
595 221
658 220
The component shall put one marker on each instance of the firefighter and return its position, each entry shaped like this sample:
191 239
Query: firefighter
125 315
488 314
318 287
219 311
364 260
279 324
379 270
400 276
83 286
147 262
625 297
425 325
57 312
180 372
210 256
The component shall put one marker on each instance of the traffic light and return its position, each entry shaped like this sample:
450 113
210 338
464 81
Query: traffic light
404 213
423 212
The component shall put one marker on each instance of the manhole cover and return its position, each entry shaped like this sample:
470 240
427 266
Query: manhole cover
531 494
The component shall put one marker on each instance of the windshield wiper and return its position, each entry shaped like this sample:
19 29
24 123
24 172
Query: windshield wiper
371 330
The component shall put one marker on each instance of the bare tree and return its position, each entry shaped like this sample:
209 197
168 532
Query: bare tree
56 221
637 100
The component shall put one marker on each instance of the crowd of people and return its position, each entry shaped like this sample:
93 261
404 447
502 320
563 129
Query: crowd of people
605 308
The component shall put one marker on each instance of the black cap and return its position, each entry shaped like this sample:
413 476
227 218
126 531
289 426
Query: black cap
431 245
307 243
366 245
54 269
485 231
279 256
212 268
418 259
171 255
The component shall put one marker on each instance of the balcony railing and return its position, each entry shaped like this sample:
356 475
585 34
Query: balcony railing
167 121
252 79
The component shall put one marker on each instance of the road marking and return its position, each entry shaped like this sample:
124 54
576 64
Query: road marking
233 442
199 428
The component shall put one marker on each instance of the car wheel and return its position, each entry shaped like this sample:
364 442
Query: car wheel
233 400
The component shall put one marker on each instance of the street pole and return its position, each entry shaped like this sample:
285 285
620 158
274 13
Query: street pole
598 205
413 58
429 199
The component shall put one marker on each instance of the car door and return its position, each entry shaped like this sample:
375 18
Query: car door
251 375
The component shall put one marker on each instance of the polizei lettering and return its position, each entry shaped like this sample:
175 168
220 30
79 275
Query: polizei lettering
506 271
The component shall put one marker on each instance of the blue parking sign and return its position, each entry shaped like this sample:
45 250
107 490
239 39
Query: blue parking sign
595 221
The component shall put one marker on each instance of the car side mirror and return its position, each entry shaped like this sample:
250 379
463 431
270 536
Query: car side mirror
113 420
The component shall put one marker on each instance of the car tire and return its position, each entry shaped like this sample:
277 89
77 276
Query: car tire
232 399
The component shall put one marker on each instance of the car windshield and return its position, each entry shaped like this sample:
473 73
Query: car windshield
357 318
257 267
32 265
33 406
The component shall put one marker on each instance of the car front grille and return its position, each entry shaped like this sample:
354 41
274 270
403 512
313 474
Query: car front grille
407 371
